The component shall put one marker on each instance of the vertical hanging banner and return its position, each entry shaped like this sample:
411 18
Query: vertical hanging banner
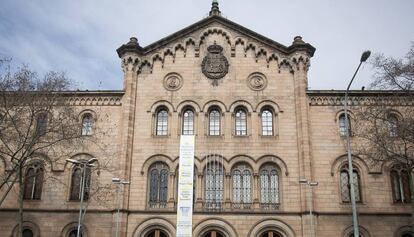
185 187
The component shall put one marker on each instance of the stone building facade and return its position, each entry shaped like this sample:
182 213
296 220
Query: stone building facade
258 130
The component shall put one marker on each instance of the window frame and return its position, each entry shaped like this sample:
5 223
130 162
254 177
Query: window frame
344 169
342 129
87 184
403 186
183 121
157 203
37 186
165 129
219 125
239 132
272 122
272 169
243 202
87 130
42 122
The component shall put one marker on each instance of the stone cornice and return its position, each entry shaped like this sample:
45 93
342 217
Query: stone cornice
85 98
360 98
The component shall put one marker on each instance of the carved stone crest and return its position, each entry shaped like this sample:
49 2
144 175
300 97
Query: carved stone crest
215 65
173 82
257 81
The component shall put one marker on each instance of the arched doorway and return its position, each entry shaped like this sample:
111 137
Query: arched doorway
156 233
213 233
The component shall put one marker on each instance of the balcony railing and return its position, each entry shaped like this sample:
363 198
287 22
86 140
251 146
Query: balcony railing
269 206
158 205
213 205
242 206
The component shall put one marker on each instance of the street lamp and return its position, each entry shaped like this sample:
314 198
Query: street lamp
365 55
310 184
83 164
118 182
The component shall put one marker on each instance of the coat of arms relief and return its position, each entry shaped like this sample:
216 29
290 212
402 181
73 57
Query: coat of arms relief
215 65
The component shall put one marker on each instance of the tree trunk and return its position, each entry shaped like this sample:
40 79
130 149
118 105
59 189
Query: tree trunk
20 199
410 175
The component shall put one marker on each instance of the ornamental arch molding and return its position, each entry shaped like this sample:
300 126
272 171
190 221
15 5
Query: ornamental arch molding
360 164
27 225
159 104
214 103
79 156
350 229
241 103
157 158
271 224
151 224
73 226
275 160
268 103
238 159
217 31
403 230
197 163
188 103
221 225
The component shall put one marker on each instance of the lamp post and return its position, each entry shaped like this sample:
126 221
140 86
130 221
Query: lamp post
309 184
118 182
83 164
365 55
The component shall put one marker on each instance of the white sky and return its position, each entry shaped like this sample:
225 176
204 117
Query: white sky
80 37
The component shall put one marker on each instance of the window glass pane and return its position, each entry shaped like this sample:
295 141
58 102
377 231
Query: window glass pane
29 184
396 189
405 180
87 123
162 123
188 122
342 125
41 123
75 193
269 185
345 193
267 123
214 123
392 125
214 184
356 186
27 233
241 123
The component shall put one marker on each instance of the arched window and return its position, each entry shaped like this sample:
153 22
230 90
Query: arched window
27 233
241 122
242 189
41 123
267 122
214 183
270 233
345 186
269 186
87 124
158 185
162 123
156 233
213 233
74 233
342 124
392 123
188 122
80 176
214 123
400 185
33 182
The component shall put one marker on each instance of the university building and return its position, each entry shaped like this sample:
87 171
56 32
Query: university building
258 131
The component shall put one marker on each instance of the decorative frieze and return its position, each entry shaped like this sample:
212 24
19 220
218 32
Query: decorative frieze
362 99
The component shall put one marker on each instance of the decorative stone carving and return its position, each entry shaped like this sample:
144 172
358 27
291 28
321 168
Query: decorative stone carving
257 81
173 82
215 65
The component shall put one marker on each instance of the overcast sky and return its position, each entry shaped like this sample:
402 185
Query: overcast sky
80 36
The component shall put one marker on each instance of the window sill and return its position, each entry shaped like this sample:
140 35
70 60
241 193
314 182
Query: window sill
161 136
269 136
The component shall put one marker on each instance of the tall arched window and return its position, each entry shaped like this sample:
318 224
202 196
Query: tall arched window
74 233
162 123
156 233
213 233
270 233
41 123
214 123
267 122
400 185
345 186
241 122
269 186
158 185
87 124
33 182
78 177
242 189
342 124
188 122
392 123
214 183
27 233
